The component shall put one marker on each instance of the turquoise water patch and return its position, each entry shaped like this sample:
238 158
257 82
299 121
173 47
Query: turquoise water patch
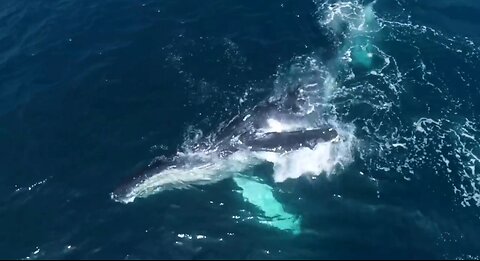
362 55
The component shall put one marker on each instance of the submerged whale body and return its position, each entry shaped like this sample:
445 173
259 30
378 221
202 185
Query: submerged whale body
271 126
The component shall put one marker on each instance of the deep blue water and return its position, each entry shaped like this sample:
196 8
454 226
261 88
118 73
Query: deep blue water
92 91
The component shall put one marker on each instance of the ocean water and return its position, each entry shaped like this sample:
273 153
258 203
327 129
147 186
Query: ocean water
91 92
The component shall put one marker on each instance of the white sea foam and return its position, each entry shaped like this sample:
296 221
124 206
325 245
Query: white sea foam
441 136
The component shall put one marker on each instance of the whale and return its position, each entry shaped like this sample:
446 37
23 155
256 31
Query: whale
273 125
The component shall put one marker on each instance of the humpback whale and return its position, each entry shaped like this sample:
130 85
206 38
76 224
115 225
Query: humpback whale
271 128
273 125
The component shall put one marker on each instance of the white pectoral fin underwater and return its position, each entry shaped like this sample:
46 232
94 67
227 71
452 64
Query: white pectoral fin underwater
273 212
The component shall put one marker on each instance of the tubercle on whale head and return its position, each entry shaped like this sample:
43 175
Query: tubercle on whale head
331 134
